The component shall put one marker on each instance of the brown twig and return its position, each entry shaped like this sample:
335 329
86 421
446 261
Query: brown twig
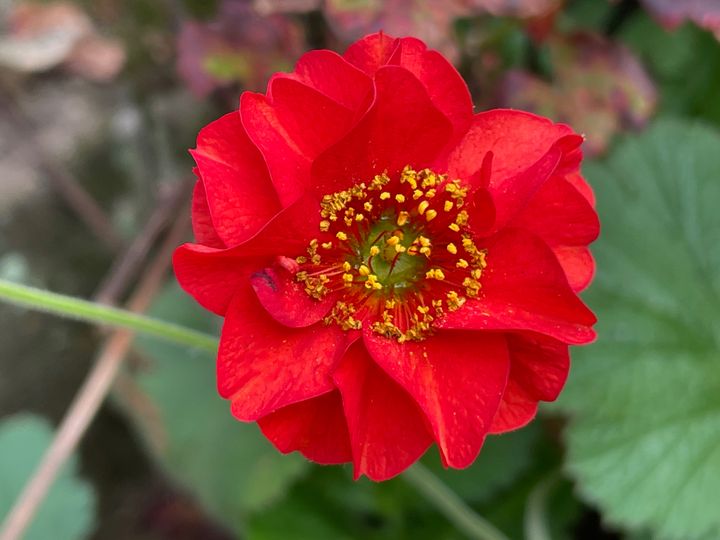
61 180
127 265
91 394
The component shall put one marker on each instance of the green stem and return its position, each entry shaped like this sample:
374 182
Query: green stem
84 310
448 502
536 527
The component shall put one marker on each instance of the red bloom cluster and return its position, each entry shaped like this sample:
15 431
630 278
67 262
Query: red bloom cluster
393 269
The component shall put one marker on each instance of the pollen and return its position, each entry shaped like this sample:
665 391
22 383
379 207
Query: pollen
448 206
452 248
400 198
422 207
341 236
431 214
385 195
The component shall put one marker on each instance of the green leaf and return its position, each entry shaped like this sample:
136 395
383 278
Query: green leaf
229 464
645 399
68 511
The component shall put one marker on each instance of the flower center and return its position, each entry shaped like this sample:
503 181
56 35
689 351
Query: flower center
398 252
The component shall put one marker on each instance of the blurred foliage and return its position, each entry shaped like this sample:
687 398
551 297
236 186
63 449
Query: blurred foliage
67 513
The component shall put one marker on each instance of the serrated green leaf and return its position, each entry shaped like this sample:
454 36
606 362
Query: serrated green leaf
68 511
644 443
229 464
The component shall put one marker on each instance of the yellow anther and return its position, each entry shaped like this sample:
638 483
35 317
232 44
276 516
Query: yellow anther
462 263
347 278
363 270
385 195
430 193
400 198
435 273
374 250
422 207
301 259
359 217
368 206
476 273
324 225
389 304
452 248
393 240
402 218
462 218
372 282
417 194
448 206
399 248
425 250
424 241
423 309
346 266
431 214
454 227
341 236
327 245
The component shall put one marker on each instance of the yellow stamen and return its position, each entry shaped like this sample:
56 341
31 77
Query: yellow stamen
385 195
422 207
431 214
400 198
374 250
448 206
341 236
363 270
452 249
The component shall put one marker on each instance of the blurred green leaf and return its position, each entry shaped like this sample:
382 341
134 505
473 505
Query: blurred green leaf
68 511
229 464
645 399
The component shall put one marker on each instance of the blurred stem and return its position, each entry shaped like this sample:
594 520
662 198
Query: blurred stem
536 527
451 505
84 310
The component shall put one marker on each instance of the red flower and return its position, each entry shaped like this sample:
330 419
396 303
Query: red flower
393 269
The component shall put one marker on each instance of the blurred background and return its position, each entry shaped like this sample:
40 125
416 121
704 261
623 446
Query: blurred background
99 102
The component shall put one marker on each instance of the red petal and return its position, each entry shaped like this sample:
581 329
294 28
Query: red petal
525 288
402 127
263 366
332 75
286 300
212 276
517 139
457 378
582 186
201 221
538 370
444 85
578 264
315 427
516 410
387 430
239 193
560 215
371 52
291 129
